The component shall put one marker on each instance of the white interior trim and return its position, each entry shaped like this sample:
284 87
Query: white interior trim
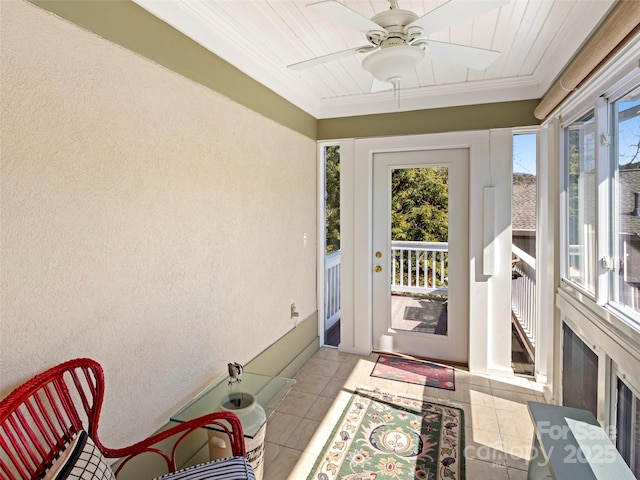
490 166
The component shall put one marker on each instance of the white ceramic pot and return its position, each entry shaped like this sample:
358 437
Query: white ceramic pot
253 417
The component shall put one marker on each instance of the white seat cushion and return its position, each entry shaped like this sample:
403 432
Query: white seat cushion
232 468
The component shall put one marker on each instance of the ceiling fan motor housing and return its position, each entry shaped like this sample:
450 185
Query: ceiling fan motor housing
394 21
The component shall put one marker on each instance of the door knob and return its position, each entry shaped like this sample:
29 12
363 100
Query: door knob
378 268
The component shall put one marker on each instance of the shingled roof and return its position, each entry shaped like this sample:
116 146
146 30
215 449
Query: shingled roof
523 214
629 184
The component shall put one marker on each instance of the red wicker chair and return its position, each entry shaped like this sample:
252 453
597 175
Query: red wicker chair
40 419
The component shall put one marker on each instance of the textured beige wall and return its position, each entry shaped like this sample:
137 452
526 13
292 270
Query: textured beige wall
126 23
147 222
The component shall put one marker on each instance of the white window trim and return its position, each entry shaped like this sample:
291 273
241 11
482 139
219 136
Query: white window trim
614 314
604 240
619 74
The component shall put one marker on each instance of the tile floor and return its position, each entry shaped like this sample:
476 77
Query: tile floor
498 431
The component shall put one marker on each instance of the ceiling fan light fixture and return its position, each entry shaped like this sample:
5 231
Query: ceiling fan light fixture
393 63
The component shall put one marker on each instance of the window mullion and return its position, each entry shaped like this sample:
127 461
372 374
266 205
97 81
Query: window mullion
603 198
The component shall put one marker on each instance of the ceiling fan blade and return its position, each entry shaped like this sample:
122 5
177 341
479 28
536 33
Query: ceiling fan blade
472 57
343 14
314 62
454 11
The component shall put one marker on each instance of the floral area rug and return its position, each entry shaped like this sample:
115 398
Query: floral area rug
391 437
413 371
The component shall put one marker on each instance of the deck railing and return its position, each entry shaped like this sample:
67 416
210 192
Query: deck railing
419 267
523 294
331 289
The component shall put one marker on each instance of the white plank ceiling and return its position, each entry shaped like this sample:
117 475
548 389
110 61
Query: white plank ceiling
536 38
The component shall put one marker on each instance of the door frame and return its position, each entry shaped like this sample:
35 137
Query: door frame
452 346
490 156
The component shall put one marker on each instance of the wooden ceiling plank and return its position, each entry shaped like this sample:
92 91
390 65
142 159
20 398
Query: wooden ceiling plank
509 22
320 36
482 36
534 17
588 14
554 24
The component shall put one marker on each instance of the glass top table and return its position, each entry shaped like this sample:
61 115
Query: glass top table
269 392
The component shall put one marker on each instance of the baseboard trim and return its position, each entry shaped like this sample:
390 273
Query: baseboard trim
287 355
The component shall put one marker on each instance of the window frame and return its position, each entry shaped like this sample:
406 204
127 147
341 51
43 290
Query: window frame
601 301
564 183
621 310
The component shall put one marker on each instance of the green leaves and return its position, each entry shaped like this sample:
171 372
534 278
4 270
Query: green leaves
332 199
420 204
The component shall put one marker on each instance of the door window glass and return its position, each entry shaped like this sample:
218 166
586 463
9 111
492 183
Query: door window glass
419 249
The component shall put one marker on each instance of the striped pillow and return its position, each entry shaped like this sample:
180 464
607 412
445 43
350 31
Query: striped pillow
232 468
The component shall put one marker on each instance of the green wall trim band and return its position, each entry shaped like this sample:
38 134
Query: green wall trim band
438 120
132 27
127 24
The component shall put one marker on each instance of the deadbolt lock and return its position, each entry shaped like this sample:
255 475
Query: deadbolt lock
378 254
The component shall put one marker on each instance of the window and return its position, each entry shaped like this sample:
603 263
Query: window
581 203
625 283
602 154
523 192
332 245
523 252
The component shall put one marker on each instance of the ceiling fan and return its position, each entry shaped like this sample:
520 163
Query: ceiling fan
397 40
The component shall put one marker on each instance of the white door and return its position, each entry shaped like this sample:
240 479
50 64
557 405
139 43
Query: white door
421 253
